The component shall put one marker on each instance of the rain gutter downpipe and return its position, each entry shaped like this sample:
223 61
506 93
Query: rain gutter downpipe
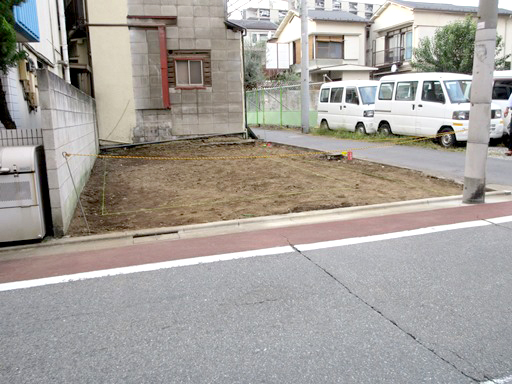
63 40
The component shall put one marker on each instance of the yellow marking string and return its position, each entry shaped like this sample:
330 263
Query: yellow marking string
284 155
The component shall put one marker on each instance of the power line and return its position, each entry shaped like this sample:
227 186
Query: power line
243 5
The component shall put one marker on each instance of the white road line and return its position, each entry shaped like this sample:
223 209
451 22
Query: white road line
500 220
394 235
503 380
143 268
248 254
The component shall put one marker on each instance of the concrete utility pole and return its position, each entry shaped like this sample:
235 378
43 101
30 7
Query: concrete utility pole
481 94
304 72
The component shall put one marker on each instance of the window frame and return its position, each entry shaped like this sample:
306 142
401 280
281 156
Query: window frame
189 84
354 89
392 83
410 83
330 43
176 56
334 91
431 83
322 92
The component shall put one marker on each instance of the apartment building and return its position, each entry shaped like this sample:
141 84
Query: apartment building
399 25
364 9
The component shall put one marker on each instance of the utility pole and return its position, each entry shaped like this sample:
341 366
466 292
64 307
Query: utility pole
480 112
304 73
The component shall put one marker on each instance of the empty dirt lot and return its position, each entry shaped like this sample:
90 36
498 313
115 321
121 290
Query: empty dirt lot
224 178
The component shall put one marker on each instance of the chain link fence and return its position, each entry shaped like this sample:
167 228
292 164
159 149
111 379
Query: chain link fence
280 105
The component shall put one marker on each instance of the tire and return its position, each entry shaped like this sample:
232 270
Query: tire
324 125
506 140
385 130
447 140
360 129
495 142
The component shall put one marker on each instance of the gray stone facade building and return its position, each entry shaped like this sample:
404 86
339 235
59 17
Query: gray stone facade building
186 70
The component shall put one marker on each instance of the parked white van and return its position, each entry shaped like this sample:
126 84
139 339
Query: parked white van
428 104
502 88
347 105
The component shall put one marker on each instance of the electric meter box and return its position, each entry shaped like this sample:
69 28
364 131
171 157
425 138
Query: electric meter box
22 191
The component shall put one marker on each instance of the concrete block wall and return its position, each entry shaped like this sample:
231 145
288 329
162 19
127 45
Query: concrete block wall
217 109
147 76
69 125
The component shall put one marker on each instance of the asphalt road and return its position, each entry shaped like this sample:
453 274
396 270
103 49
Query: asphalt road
431 308
434 162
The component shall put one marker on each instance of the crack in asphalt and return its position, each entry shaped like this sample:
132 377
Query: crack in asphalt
496 224
379 312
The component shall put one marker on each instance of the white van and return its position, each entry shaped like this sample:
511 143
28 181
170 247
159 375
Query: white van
428 104
502 88
347 105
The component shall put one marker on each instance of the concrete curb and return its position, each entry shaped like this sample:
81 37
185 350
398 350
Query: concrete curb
127 238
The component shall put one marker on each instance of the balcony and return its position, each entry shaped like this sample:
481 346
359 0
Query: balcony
26 21
392 56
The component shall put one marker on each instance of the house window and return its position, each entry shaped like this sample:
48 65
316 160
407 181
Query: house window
352 8
189 69
329 50
319 4
189 72
336 5
264 13
399 45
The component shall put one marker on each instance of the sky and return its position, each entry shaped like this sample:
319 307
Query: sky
506 4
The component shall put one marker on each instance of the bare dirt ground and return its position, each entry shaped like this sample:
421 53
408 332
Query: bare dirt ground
127 194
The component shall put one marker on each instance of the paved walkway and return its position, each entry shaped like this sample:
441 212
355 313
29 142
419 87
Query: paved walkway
438 163
20 267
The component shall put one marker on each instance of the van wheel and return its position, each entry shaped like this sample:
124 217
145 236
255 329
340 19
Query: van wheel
360 129
447 138
324 125
385 130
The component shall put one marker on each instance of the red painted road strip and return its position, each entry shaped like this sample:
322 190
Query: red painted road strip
166 250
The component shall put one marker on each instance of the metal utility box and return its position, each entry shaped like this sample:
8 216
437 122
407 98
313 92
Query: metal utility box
21 193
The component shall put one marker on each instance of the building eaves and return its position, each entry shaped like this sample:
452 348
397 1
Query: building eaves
422 6
335 16
233 26
255 24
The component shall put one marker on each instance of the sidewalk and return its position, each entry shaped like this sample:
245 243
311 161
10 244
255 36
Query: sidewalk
76 255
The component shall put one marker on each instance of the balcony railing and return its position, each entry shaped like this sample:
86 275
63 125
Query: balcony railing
392 56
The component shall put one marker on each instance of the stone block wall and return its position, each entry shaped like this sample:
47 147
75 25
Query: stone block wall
216 109
69 125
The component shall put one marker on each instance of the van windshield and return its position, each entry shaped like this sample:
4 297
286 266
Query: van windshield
368 94
458 90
